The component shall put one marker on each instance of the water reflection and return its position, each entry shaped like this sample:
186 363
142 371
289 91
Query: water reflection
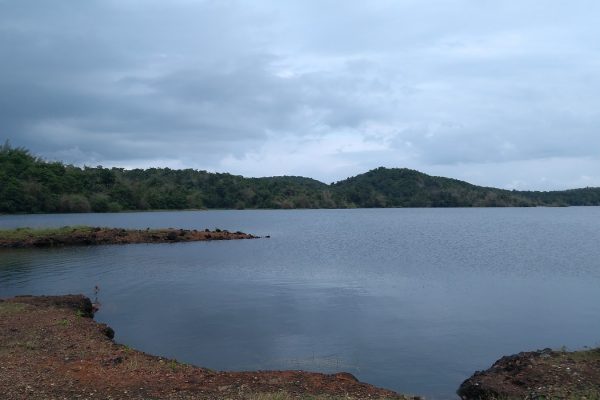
414 300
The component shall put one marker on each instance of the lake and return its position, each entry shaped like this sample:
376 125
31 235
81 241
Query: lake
414 300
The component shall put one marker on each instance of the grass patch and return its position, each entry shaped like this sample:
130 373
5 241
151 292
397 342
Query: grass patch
173 364
7 308
584 355
40 233
288 396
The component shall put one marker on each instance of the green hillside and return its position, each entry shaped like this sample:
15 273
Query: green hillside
29 184
383 187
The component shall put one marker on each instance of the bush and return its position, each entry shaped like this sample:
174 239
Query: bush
74 203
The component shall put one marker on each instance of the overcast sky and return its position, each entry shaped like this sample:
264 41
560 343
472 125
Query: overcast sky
498 93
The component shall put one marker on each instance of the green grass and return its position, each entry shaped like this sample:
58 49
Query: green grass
38 233
173 364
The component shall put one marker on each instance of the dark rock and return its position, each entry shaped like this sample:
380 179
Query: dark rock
107 331
113 361
171 235
346 376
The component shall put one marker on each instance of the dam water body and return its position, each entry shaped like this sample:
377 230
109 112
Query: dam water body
414 300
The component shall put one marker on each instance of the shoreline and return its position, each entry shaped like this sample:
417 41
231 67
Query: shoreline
51 347
167 210
90 236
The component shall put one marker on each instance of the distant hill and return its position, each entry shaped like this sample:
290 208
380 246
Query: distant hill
29 184
383 187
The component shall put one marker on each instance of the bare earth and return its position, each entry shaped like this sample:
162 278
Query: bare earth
51 348
544 374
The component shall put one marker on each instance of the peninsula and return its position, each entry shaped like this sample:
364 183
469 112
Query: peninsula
88 236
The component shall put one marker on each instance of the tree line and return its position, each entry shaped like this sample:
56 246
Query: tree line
29 184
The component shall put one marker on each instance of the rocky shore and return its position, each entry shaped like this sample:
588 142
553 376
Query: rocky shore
543 374
51 348
87 236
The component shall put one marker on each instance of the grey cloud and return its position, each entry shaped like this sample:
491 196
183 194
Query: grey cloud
213 84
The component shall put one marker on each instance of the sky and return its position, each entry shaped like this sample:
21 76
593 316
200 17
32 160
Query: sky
497 93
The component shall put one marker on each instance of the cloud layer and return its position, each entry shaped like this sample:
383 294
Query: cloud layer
497 93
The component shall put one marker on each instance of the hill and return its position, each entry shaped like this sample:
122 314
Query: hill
384 187
29 184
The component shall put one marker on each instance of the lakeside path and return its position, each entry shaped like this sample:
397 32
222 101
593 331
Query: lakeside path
51 348
87 235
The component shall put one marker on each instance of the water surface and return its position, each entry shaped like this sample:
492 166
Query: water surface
414 300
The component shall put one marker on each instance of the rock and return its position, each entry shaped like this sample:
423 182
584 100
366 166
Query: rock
171 235
107 331
345 376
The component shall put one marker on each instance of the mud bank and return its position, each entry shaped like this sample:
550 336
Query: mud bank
51 348
86 236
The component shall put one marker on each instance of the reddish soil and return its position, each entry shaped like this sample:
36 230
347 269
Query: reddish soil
50 348
97 236
544 374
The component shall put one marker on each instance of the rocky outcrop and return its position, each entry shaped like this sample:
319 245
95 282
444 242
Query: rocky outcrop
542 374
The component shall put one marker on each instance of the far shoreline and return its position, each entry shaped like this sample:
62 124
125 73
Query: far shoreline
157 211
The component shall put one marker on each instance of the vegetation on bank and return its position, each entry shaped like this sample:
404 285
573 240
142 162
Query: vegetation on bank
28 233
29 184
87 235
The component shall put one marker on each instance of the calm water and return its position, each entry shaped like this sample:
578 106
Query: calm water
414 300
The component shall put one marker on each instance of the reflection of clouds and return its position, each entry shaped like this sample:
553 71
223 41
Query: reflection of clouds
324 363
399 297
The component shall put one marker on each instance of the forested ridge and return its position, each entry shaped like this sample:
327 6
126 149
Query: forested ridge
29 184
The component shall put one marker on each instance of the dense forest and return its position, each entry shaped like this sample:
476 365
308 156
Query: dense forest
29 184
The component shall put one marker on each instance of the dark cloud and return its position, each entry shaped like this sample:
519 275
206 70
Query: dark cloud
308 88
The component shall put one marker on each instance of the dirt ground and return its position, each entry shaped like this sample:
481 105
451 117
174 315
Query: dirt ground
51 348
543 374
